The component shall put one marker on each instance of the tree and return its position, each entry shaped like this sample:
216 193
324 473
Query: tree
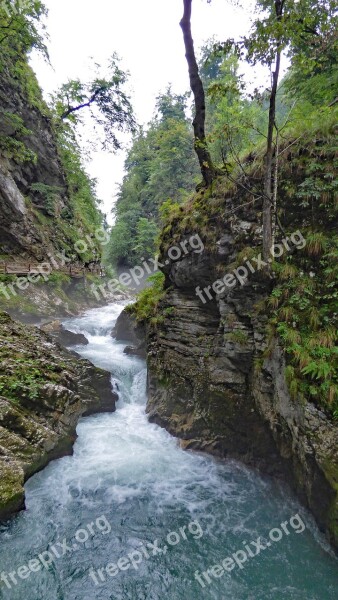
232 120
106 100
145 241
160 165
304 30
206 165
266 45
314 73
21 28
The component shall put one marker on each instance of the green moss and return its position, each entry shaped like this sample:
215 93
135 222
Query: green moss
239 337
11 489
146 308
25 374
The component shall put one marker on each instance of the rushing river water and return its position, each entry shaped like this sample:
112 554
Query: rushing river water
94 517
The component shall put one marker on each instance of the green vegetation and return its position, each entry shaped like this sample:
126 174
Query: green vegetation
12 146
110 107
239 337
146 308
305 311
161 168
81 216
25 373
68 212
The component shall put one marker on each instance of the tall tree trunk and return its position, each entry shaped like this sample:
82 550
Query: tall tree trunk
268 191
207 169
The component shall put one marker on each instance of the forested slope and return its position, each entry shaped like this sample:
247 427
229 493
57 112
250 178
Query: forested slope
47 201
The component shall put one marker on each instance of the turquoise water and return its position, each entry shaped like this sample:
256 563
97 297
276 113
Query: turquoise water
131 516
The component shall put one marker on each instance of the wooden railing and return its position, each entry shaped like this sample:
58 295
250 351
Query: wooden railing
27 268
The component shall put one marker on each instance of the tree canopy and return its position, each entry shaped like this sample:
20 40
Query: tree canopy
160 166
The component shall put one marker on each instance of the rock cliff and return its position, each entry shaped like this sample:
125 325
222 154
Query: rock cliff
210 385
31 175
218 370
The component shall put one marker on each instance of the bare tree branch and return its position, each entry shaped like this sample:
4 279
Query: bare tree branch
73 109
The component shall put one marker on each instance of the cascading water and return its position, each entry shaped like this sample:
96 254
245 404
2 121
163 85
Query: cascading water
134 517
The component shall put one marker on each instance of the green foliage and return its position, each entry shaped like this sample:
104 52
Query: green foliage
232 120
82 214
145 240
21 28
168 210
11 144
106 99
28 384
306 318
59 280
145 308
48 193
305 29
239 337
161 165
25 373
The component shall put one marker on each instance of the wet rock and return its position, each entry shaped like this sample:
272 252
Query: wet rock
44 391
132 351
125 328
213 385
63 335
128 330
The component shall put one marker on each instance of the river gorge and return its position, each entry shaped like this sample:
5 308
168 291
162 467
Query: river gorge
133 516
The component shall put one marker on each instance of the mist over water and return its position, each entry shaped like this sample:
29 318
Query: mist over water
134 476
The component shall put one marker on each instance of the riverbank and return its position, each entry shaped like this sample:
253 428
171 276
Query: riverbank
58 297
44 390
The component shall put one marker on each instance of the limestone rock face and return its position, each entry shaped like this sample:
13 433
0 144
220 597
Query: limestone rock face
24 230
128 330
44 390
218 383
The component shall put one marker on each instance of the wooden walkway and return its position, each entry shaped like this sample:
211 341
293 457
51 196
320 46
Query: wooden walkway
27 268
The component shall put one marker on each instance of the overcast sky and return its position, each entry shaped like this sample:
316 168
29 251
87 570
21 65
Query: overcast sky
147 36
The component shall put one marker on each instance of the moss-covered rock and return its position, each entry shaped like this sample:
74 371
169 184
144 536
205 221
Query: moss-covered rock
43 391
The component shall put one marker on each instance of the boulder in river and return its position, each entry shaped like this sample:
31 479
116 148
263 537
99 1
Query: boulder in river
128 330
63 335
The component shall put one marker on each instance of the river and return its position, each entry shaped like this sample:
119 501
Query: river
131 516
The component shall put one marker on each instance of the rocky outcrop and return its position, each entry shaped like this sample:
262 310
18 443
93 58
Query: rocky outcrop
63 335
128 330
306 439
46 300
44 390
33 188
217 380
